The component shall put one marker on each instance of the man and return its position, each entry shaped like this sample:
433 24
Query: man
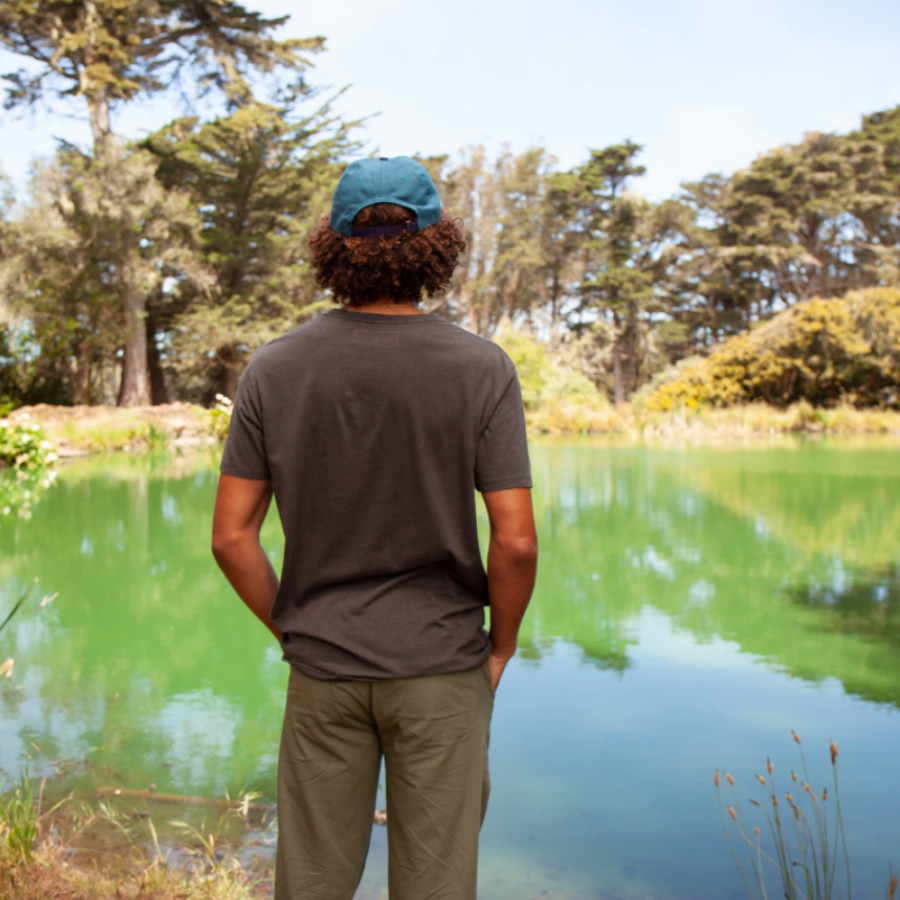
374 425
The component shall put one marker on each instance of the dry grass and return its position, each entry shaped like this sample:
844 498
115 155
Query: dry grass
94 429
52 872
759 419
577 416
101 851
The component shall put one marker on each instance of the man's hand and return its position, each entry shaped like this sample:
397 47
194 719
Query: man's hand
241 507
512 565
496 664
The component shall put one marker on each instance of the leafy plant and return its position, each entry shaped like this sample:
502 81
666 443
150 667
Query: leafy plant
23 446
19 820
220 416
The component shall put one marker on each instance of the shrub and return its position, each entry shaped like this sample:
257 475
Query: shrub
827 352
23 446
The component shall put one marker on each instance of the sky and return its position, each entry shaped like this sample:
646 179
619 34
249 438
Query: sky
703 85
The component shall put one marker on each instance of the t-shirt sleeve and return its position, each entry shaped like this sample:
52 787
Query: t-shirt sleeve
245 447
502 460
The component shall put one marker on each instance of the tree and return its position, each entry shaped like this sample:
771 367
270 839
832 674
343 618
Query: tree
105 52
86 221
260 179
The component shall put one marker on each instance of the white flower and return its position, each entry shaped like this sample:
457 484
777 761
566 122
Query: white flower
35 427
5 510
45 445
52 457
4 423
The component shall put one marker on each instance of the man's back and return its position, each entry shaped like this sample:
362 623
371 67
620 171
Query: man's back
375 431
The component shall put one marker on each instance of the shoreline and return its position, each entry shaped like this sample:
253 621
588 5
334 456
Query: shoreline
80 431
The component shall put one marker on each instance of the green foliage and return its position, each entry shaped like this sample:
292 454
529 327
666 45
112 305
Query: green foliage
29 459
259 179
543 379
110 51
18 820
23 447
143 271
823 351
220 416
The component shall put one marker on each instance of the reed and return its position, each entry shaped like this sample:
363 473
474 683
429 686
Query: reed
808 849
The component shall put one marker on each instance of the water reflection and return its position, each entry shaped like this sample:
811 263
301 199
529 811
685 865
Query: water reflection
721 542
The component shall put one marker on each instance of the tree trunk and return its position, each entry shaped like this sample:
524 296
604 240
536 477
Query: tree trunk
97 98
617 374
630 340
159 392
230 364
135 388
617 363
101 130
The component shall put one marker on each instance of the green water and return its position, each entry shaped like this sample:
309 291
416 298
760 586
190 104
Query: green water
692 607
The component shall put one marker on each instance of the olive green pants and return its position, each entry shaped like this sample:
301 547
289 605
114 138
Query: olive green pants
433 732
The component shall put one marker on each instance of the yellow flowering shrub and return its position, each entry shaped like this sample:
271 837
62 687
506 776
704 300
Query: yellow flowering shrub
827 352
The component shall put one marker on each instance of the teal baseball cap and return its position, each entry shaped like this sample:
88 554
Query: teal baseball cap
399 180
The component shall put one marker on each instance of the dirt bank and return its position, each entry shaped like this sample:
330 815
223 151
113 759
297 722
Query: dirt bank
78 430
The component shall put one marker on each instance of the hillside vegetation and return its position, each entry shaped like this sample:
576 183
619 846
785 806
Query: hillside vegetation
839 351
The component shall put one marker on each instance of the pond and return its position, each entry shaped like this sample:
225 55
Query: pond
693 606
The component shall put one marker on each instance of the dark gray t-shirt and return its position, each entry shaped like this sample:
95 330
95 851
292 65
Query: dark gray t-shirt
376 431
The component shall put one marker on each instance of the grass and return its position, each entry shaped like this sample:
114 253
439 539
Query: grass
114 435
19 814
78 850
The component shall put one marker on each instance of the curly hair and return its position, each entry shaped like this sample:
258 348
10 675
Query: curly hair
362 270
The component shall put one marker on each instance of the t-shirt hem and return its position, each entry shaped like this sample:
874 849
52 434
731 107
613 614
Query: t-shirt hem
249 474
504 484
450 669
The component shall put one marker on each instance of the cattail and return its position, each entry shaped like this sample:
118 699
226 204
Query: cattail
790 798
754 802
825 794
774 801
732 813
761 779
834 752
729 779
717 777
893 887
793 775
769 765
756 830
796 736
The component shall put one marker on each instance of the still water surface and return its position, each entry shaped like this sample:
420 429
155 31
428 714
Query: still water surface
693 606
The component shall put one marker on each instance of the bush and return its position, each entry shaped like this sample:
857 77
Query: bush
826 352
23 446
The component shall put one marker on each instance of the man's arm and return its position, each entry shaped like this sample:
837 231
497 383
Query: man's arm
241 507
511 569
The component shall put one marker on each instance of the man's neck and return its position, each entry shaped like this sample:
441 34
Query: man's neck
387 308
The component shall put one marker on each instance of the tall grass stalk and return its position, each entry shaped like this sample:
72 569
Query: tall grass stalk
807 849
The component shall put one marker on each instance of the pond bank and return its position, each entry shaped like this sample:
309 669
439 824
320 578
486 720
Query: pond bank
81 430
